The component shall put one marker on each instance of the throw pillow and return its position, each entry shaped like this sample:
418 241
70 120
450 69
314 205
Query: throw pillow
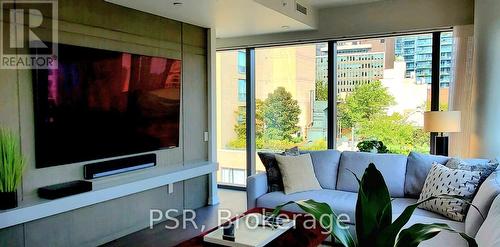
297 173
292 151
274 180
443 180
485 169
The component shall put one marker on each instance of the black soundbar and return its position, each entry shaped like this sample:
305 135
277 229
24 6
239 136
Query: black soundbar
112 167
64 189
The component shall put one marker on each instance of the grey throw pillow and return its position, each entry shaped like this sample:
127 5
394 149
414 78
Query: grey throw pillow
485 169
443 180
297 173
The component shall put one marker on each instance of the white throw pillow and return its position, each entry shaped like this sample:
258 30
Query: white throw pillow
489 233
297 173
443 180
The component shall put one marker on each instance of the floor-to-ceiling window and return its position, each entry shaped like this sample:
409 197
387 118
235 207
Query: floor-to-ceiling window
445 69
231 105
291 98
379 90
383 89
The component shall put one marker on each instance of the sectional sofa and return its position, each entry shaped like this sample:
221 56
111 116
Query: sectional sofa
404 176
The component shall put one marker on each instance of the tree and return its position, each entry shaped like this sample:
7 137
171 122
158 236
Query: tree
321 91
366 102
240 128
395 132
281 115
366 109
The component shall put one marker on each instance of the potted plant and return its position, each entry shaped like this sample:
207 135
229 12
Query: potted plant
372 146
11 169
374 224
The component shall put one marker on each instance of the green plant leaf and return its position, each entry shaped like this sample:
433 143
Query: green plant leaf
326 217
414 235
388 234
11 162
373 207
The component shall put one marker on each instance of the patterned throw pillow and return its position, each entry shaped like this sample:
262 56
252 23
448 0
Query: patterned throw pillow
274 179
485 169
443 180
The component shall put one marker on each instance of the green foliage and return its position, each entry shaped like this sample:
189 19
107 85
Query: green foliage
396 133
281 115
11 162
241 127
365 112
364 104
369 145
274 145
374 225
417 233
319 144
321 91
276 121
317 209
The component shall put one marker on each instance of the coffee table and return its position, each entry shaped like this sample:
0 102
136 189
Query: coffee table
296 236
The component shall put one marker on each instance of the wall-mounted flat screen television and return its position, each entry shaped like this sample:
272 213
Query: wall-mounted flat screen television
101 104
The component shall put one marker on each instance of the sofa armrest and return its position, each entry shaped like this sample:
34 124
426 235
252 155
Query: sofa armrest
256 187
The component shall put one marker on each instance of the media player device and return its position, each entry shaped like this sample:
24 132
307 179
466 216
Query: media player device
64 189
112 167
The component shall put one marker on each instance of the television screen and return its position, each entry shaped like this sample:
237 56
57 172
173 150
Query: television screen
99 104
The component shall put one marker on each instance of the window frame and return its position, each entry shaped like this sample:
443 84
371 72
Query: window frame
332 91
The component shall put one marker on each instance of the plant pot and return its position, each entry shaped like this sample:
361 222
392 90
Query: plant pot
8 200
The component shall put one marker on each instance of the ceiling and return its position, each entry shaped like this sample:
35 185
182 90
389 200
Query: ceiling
337 3
196 12
233 18
243 17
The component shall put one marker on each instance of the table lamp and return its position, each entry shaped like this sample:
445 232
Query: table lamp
441 122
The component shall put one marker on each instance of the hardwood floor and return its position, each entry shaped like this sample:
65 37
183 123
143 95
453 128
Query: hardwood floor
233 201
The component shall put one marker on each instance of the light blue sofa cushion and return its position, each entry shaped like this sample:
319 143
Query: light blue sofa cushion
256 187
341 202
488 191
392 167
417 168
489 233
326 166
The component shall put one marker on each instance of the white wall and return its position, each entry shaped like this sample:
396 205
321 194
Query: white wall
486 135
391 16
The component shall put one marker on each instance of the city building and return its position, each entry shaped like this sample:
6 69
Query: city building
276 67
417 53
358 62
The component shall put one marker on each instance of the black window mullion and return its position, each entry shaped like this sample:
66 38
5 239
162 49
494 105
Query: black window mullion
332 95
436 57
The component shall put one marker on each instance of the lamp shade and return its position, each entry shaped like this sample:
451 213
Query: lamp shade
442 121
